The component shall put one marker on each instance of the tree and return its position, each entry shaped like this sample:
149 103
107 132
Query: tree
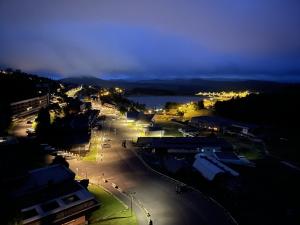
171 105
55 107
88 106
180 113
73 106
5 117
200 105
43 122
122 109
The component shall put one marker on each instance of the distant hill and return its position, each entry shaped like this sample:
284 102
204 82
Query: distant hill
178 86
17 85
88 81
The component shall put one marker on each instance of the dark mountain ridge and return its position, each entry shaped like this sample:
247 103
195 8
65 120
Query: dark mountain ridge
182 86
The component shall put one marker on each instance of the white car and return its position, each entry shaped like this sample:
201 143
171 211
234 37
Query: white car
30 131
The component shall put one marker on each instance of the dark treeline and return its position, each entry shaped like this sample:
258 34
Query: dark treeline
276 113
17 85
276 109
69 126
177 86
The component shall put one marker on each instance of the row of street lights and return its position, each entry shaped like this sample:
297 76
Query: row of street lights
130 194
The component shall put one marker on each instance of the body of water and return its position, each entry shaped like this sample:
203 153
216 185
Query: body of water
160 101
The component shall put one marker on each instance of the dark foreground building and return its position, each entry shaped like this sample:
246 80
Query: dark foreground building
50 195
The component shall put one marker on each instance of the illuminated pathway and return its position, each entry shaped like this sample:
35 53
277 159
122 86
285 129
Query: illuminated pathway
156 193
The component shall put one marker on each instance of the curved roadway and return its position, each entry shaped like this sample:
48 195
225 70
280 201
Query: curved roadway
156 193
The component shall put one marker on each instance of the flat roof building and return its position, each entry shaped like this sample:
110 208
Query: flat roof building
155 131
51 195
29 106
183 143
216 123
227 157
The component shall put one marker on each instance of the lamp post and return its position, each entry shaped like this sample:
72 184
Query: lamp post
131 199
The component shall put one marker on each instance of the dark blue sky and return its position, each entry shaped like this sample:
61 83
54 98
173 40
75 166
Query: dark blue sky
257 39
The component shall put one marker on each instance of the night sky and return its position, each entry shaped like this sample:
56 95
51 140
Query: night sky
137 39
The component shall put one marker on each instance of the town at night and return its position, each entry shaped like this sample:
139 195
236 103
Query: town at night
141 112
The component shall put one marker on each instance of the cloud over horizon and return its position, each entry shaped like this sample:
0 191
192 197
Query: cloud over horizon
142 39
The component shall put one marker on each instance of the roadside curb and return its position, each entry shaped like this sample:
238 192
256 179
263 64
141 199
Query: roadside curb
181 183
113 195
136 201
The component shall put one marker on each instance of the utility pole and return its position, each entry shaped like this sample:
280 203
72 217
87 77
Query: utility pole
131 200
131 205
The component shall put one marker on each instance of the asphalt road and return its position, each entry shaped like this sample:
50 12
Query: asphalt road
20 126
156 193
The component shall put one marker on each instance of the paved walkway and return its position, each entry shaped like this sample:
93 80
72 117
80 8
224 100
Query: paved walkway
156 193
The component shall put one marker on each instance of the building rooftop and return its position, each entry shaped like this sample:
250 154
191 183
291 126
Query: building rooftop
210 167
48 194
43 184
44 177
54 206
221 121
182 142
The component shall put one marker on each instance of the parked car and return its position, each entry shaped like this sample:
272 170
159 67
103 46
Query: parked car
106 146
3 139
30 131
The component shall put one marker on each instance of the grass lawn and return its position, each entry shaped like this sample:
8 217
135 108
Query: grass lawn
171 128
95 143
111 211
73 92
245 147
52 116
193 113
188 114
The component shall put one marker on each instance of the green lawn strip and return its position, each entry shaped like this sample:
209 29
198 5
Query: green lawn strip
111 211
94 147
252 155
92 155
171 128
193 113
246 147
